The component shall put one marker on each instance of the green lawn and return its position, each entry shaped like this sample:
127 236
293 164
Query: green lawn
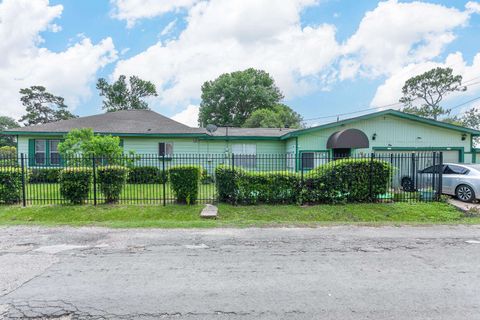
176 216
49 193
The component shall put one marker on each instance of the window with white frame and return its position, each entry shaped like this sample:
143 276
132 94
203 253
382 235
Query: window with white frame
53 152
245 155
291 160
165 149
40 151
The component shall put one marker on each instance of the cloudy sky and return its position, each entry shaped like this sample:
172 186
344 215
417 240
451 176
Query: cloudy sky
329 57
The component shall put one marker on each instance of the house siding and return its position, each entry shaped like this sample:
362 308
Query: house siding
392 132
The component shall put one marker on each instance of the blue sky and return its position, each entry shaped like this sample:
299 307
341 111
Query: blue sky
328 57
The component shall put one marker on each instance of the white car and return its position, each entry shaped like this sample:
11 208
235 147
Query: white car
459 180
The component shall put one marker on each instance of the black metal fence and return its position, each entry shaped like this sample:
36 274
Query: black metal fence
411 176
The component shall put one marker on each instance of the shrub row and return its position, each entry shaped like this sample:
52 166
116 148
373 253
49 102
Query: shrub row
351 180
10 185
136 175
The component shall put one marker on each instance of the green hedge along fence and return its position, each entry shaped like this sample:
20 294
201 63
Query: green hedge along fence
352 180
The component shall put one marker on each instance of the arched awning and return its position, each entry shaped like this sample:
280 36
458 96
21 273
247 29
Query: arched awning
348 138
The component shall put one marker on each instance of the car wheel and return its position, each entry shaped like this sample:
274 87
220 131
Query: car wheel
465 193
407 184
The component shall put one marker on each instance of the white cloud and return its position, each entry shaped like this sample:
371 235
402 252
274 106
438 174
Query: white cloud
169 27
24 63
224 36
133 10
188 116
391 90
473 7
395 34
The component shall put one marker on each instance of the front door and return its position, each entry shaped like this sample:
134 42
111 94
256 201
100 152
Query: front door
341 153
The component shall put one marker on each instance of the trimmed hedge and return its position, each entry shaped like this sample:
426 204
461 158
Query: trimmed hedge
8 157
240 186
49 175
146 175
184 181
10 185
346 180
111 180
75 184
338 181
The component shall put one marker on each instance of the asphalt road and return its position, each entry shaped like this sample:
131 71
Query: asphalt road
322 273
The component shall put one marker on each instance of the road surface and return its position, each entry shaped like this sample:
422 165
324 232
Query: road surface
284 273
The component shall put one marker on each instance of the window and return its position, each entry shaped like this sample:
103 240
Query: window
54 154
308 160
452 169
40 151
245 155
290 160
165 149
433 169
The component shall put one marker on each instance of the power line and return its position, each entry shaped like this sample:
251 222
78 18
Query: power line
388 105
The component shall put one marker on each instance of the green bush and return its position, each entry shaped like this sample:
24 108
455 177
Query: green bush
48 175
226 182
111 180
268 187
75 184
184 181
8 157
10 185
146 175
240 186
346 180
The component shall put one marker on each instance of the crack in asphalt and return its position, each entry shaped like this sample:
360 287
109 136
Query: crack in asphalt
60 309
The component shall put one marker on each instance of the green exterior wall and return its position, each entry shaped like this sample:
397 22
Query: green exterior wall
392 134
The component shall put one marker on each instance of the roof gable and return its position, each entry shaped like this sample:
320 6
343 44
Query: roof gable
391 112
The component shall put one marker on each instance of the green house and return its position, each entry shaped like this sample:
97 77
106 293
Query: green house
147 132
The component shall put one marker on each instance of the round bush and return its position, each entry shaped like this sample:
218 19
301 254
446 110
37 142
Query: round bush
75 184
111 180
10 185
184 181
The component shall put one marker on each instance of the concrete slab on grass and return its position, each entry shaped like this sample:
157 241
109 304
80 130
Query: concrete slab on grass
209 212
464 206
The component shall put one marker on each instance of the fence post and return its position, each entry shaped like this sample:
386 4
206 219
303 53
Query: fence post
163 181
301 168
233 161
434 186
94 172
414 175
370 177
24 196
440 176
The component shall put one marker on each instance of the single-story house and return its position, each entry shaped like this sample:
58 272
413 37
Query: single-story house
147 132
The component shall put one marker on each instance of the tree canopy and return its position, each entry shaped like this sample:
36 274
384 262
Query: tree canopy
42 106
423 94
280 116
122 96
7 123
84 143
230 99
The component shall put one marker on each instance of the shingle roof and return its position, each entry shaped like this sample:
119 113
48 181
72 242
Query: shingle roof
251 132
129 122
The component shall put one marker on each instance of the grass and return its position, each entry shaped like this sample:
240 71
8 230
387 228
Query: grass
48 193
176 216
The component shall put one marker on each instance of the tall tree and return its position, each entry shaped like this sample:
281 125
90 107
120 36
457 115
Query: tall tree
122 96
430 88
42 106
280 116
231 98
5 124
